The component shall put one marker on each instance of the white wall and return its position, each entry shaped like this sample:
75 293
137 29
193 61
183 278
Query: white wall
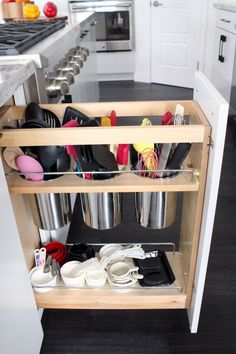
142 41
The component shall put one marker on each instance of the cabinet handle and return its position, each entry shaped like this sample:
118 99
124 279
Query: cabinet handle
221 58
224 20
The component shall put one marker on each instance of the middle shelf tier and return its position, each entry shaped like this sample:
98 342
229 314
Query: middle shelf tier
129 182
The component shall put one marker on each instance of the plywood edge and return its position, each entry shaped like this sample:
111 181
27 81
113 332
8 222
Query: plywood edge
102 135
124 183
110 299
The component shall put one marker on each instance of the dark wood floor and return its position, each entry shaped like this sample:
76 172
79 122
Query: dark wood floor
162 332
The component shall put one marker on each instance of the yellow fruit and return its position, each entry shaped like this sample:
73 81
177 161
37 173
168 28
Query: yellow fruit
31 11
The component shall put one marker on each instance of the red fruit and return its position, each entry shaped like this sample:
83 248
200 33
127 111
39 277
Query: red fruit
8 0
50 9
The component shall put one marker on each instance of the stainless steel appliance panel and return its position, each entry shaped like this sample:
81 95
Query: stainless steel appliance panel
114 23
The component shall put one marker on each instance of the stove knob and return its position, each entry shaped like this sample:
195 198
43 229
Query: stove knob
85 50
63 75
57 87
78 53
75 60
66 66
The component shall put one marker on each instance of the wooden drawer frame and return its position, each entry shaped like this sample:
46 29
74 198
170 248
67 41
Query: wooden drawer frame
192 184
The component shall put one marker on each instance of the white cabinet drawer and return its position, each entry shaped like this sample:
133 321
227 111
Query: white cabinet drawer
226 20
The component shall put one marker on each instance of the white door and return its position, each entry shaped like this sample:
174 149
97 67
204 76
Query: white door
175 41
215 109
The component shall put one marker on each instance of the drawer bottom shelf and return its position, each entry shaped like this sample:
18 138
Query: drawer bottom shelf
169 297
110 299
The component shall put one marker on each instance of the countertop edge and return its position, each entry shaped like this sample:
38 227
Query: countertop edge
13 73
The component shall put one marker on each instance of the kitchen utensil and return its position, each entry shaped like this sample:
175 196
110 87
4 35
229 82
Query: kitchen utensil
113 118
122 157
63 161
54 267
155 271
104 157
148 161
142 146
109 249
70 148
34 123
31 168
164 156
34 111
51 119
40 257
48 155
70 275
177 158
42 282
47 265
105 121
80 252
87 162
167 118
96 278
57 250
120 270
10 154
81 118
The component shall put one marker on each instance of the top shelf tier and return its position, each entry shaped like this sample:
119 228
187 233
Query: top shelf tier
193 133
197 132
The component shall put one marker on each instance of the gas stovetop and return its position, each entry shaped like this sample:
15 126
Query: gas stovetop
15 38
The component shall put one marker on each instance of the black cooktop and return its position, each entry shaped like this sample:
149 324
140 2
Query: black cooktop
15 38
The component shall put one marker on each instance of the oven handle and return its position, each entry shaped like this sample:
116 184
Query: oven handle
75 8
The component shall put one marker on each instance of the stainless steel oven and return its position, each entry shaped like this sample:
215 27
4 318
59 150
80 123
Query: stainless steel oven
114 22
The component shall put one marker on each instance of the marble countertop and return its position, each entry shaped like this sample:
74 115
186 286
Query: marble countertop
228 6
12 75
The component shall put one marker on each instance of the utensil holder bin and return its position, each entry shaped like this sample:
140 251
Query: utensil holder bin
155 210
51 211
101 211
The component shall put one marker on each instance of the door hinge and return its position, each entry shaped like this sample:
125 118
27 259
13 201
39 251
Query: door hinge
211 142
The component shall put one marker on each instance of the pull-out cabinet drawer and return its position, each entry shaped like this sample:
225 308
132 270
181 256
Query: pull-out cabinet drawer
191 181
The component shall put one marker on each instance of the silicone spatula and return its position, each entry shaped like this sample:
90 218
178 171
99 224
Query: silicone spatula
105 121
113 118
70 148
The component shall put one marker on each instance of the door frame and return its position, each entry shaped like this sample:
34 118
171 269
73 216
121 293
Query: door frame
142 8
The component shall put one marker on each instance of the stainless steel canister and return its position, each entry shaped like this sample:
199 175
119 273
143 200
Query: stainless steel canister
155 210
51 211
101 211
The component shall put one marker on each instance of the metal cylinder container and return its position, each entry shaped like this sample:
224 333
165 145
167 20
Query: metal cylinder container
101 211
51 211
155 210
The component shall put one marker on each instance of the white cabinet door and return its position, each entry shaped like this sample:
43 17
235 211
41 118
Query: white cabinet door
20 327
223 62
215 109
175 41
